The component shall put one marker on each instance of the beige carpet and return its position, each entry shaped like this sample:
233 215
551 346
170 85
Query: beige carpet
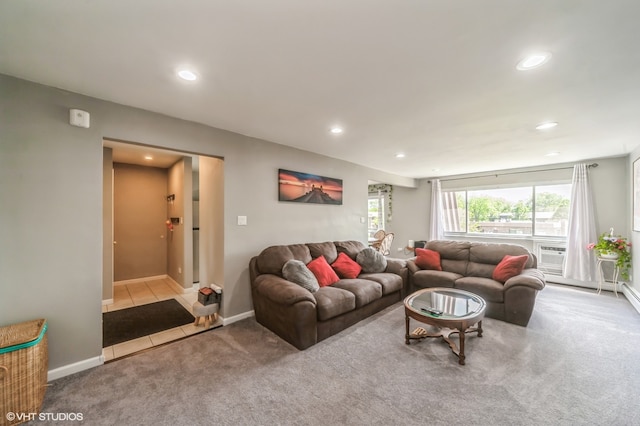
576 364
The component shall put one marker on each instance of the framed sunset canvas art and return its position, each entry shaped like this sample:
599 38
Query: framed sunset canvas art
301 187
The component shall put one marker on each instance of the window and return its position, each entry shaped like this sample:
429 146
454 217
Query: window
552 210
376 214
538 210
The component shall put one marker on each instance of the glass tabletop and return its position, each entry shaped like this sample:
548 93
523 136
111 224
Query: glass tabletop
445 303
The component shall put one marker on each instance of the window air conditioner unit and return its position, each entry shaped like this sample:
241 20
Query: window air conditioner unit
551 257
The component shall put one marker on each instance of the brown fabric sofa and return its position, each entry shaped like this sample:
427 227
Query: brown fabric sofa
303 318
470 265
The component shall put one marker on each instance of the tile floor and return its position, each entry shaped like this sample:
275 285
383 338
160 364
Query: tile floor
141 293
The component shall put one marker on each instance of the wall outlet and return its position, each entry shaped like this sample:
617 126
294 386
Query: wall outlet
399 248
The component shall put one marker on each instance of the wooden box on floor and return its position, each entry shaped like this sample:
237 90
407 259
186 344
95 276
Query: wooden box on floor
24 359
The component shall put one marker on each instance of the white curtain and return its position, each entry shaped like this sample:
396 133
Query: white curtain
580 262
436 231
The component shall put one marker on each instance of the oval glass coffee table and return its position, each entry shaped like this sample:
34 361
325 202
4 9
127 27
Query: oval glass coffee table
449 310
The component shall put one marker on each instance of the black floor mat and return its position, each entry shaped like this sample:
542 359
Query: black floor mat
131 323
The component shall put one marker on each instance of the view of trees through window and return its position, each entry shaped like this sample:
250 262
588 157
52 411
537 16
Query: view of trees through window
541 210
376 214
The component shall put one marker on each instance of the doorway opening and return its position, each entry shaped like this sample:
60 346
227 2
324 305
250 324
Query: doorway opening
163 231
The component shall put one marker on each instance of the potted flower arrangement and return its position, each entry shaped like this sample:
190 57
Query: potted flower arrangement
614 247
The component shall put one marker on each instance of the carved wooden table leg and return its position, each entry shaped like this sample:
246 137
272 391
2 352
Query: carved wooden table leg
461 354
406 336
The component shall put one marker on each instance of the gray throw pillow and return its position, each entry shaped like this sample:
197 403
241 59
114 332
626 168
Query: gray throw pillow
297 272
371 260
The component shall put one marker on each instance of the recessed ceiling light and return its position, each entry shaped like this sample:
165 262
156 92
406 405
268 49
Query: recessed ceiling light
533 61
546 125
187 75
552 154
400 155
336 130
148 157
435 170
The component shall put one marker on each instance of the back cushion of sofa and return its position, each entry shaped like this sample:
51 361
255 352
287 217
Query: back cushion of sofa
350 248
327 249
272 259
454 255
485 256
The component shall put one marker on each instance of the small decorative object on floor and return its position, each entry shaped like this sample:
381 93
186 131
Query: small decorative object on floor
419 331
612 247
209 312
209 295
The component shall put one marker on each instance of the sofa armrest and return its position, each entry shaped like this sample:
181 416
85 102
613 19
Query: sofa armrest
533 278
411 266
281 291
395 265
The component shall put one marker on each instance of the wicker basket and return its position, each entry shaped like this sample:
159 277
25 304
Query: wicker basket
24 360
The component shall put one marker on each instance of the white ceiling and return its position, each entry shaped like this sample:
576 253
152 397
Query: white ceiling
433 79
143 155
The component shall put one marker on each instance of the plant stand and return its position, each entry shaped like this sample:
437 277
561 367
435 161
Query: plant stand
616 272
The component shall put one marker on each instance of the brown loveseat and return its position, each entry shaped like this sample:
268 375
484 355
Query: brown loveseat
470 266
303 318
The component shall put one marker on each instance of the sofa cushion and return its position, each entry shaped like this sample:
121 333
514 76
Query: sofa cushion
454 255
493 253
323 271
426 278
326 249
350 248
297 272
490 290
272 259
346 267
428 259
371 260
390 282
365 291
332 301
509 267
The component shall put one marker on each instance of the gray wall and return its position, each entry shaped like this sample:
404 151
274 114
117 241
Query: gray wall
634 191
211 205
180 240
51 187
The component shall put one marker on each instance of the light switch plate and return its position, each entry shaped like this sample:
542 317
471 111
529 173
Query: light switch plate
242 220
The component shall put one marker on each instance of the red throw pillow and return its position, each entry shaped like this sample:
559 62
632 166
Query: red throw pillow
323 272
346 267
509 266
428 259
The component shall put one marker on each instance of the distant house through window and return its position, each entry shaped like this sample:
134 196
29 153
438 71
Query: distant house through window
536 210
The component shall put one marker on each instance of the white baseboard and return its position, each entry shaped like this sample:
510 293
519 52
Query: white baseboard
557 279
107 302
177 287
632 296
239 317
76 367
